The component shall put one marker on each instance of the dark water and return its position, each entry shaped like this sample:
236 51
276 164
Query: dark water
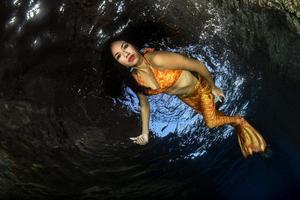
63 136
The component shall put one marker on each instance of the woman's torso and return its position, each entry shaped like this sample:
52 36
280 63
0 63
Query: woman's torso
181 85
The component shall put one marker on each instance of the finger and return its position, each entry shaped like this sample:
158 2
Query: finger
143 141
217 97
140 143
136 142
223 95
139 140
133 138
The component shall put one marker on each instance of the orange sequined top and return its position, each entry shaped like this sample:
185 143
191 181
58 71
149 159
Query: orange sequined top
166 78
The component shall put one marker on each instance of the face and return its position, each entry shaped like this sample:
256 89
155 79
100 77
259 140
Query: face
125 53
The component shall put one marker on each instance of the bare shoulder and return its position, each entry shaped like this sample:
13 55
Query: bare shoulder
157 56
163 58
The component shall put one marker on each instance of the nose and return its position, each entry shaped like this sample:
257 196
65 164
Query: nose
125 53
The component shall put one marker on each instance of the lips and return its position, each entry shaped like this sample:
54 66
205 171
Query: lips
131 58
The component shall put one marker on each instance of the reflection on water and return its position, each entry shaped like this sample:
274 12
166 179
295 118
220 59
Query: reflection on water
33 11
170 115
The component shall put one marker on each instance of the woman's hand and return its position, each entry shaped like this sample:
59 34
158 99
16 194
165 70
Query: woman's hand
141 139
217 92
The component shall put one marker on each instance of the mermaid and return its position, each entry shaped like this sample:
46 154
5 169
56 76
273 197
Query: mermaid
172 73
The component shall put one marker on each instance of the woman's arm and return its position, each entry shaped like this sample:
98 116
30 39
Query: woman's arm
145 111
170 60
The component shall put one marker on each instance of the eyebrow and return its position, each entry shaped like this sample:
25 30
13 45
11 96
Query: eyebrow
121 47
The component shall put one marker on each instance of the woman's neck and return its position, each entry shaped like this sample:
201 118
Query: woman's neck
141 63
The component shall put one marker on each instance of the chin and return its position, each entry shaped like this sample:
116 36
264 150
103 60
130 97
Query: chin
134 63
129 65
136 60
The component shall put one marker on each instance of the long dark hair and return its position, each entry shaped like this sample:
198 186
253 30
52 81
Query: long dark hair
115 75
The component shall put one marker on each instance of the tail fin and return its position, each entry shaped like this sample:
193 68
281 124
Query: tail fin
249 139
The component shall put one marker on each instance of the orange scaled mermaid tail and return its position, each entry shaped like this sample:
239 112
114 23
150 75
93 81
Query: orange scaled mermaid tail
202 100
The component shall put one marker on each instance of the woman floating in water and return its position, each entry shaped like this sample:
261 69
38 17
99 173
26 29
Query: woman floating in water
170 73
